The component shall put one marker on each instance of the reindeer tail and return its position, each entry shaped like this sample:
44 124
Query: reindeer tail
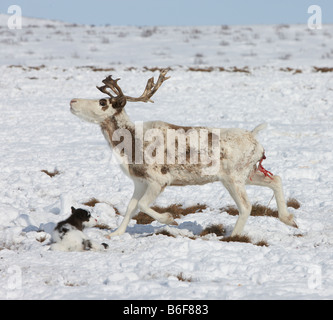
259 128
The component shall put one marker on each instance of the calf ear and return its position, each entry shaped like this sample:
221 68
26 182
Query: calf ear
73 209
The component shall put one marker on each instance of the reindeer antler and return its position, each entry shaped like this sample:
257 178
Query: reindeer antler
149 91
151 88
111 84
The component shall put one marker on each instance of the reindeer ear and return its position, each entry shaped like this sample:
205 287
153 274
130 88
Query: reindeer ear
119 102
73 209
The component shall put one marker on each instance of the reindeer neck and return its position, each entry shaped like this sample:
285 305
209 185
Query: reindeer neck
117 121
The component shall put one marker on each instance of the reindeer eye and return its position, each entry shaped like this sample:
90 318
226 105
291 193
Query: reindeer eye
102 102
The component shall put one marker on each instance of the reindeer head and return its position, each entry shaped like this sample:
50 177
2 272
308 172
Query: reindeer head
97 111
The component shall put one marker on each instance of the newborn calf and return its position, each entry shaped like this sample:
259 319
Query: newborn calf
68 234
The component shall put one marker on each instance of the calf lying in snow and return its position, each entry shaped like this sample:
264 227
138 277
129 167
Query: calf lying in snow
68 234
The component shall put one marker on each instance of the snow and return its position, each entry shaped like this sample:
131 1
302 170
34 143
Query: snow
47 63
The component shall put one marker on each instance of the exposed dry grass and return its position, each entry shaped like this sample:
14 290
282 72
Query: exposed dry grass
181 277
293 203
323 69
102 226
176 210
165 233
218 229
93 201
221 69
154 69
244 239
51 174
259 210
208 69
294 71
96 69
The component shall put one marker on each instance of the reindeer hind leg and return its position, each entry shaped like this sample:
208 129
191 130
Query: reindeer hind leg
274 183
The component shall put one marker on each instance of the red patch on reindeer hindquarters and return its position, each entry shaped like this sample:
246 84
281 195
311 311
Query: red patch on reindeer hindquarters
263 170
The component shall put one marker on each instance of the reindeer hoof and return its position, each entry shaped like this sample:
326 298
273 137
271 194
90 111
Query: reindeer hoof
167 218
289 220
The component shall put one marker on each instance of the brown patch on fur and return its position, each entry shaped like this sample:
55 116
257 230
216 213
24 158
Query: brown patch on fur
51 174
164 170
218 229
110 125
175 127
138 170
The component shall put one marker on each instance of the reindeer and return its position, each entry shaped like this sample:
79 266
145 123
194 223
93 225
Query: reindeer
234 155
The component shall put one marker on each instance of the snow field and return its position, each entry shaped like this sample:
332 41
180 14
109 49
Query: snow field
37 132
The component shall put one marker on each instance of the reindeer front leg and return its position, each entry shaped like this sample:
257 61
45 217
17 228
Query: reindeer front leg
152 192
139 191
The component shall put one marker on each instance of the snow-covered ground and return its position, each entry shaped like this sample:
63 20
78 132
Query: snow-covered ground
47 63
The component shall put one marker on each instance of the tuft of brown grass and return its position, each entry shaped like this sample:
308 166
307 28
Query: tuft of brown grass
236 69
262 243
142 218
239 238
41 238
231 210
181 277
293 203
165 233
259 210
176 210
154 69
218 229
295 71
244 239
102 226
323 70
209 69
51 174
96 69
92 202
